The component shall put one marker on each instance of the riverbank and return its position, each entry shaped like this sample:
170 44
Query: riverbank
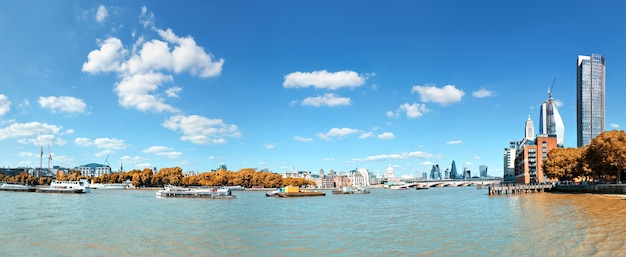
592 189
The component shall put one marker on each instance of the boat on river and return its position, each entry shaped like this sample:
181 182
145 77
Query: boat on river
16 187
68 187
184 192
108 186
291 191
351 190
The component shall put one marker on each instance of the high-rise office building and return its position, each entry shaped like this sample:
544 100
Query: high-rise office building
453 174
550 122
590 84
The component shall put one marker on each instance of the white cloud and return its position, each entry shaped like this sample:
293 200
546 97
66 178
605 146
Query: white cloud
443 96
132 160
83 141
188 56
337 133
105 152
303 139
108 58
269 146
106 143
102 13
614 125
5 104
396 156
22 130
163 151
66 104
366 135
328 159
481 93
134 92
329 100
201 130
413 110
454 142
324 79
386 136
150 65
173 91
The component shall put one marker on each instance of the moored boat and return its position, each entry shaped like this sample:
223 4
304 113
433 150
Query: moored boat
183 192
108 186
291 191
16 187
69 187
351 190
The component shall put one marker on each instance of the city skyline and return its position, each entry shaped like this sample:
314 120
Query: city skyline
292 85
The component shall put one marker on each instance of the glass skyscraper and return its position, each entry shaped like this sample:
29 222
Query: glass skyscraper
550 122
590 79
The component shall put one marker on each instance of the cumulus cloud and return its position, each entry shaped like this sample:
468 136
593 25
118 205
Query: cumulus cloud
414 110
24 130
396 156
443 96
269 146
65 104
5 104
201 130
303 139
386 136
324 80
83 141
329 100
105 143
454 142
101 14
163 151
173 91
481 93
337 133
150 65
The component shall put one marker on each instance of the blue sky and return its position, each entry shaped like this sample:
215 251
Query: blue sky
284 85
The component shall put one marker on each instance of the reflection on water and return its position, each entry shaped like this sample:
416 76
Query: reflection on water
434 222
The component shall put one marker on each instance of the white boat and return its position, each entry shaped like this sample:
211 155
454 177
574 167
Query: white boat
400 187
16 187
70 187
361 190
107 186
214 193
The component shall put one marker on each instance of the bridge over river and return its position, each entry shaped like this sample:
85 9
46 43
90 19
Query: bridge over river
452 182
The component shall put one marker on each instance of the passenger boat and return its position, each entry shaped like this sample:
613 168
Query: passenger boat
69 187
16 187
213 193
401 187
291 191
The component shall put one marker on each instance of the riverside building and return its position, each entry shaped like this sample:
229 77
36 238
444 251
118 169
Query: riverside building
590 84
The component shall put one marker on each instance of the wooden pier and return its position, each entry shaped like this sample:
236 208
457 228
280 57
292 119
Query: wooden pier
518 189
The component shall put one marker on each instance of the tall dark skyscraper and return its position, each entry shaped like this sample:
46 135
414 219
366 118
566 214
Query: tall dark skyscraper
453 174
590 84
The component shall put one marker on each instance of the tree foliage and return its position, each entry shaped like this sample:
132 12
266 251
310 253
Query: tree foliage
247 178
604 157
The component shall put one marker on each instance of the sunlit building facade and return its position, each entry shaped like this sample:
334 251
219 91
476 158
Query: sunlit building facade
590 85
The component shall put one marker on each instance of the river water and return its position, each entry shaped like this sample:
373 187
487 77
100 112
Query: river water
435 222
